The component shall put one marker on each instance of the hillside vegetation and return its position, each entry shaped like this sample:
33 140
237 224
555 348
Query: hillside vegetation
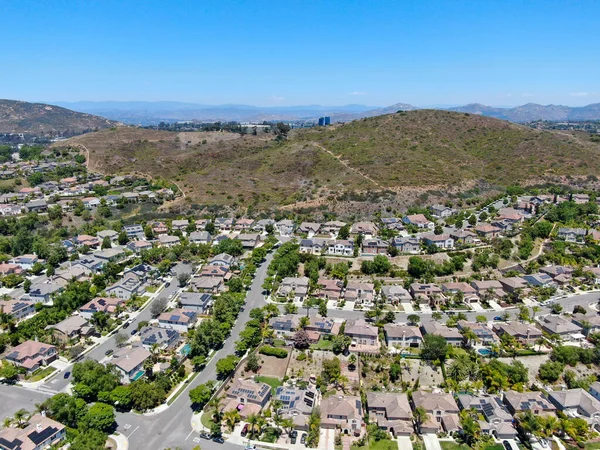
39 118
389 154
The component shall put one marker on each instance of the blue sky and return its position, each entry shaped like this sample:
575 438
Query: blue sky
281 52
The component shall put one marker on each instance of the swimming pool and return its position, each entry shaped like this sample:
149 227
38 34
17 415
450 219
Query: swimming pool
484 352
185 350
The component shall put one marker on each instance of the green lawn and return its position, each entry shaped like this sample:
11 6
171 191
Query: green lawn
447 445
273 382
41 374
278 343
151 289
322 344
378 445
206 419
494 447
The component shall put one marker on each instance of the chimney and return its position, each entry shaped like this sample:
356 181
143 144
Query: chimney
38 426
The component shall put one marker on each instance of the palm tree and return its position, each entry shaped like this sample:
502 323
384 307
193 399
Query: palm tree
216 404
268 335
7 422
529 423
550 425
419 416
155 350
304 321
534 310
275 407
253 425
288 426
469 336
231 418
539 342
21 416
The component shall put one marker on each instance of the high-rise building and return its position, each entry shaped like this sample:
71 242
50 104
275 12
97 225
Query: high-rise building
321 121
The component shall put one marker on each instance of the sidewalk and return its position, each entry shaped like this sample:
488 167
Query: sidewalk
121 441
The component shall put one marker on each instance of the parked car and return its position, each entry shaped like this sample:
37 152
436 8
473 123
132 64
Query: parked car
244 430
303 439
134 331
67 374
109 352
126 324
498 319
293 440
167 284
544 443
205 435
218 440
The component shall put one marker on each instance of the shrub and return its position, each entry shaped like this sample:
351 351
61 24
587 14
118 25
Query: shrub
272 351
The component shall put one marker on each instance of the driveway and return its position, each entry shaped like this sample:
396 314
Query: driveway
495 306
477 306
404 443
431 442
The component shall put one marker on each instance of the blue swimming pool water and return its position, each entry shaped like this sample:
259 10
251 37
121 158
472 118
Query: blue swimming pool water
484 352
185 350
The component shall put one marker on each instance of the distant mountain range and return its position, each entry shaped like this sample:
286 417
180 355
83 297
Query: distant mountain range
40 118
147 113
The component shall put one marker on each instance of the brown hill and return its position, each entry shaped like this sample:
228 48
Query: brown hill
415 150
39 118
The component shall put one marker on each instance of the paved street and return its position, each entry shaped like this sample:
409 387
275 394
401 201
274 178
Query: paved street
13 398
172 428
58 382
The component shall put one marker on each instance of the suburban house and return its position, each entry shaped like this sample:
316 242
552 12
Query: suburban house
395 294
222 259
340 248
366 229
314 246
249 240
360 292
397 335
17 309
468 292
441 211
488 288
487 231
524 333
195 301
296 404
25 262
247 397
344 412
309 228
224 223
180 224
126 287
200 237
499 422
39 433
159 228
243 224
362 333
297 287
332 227
110 255
329 289
576 403
285 324
391 412
374 246
138 246
207 284
513 284
517 402
100 304
442 410
214 271
87 240
285 227
322 325
163 337
484 334
134 231
177 319
572 234
73 327
130 362
463 237
451 335
539 280
166 240
31 355
426 293
442 241
563 327
419 220
43 292
407 244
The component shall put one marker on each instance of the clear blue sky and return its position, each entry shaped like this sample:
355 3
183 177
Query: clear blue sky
281 52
